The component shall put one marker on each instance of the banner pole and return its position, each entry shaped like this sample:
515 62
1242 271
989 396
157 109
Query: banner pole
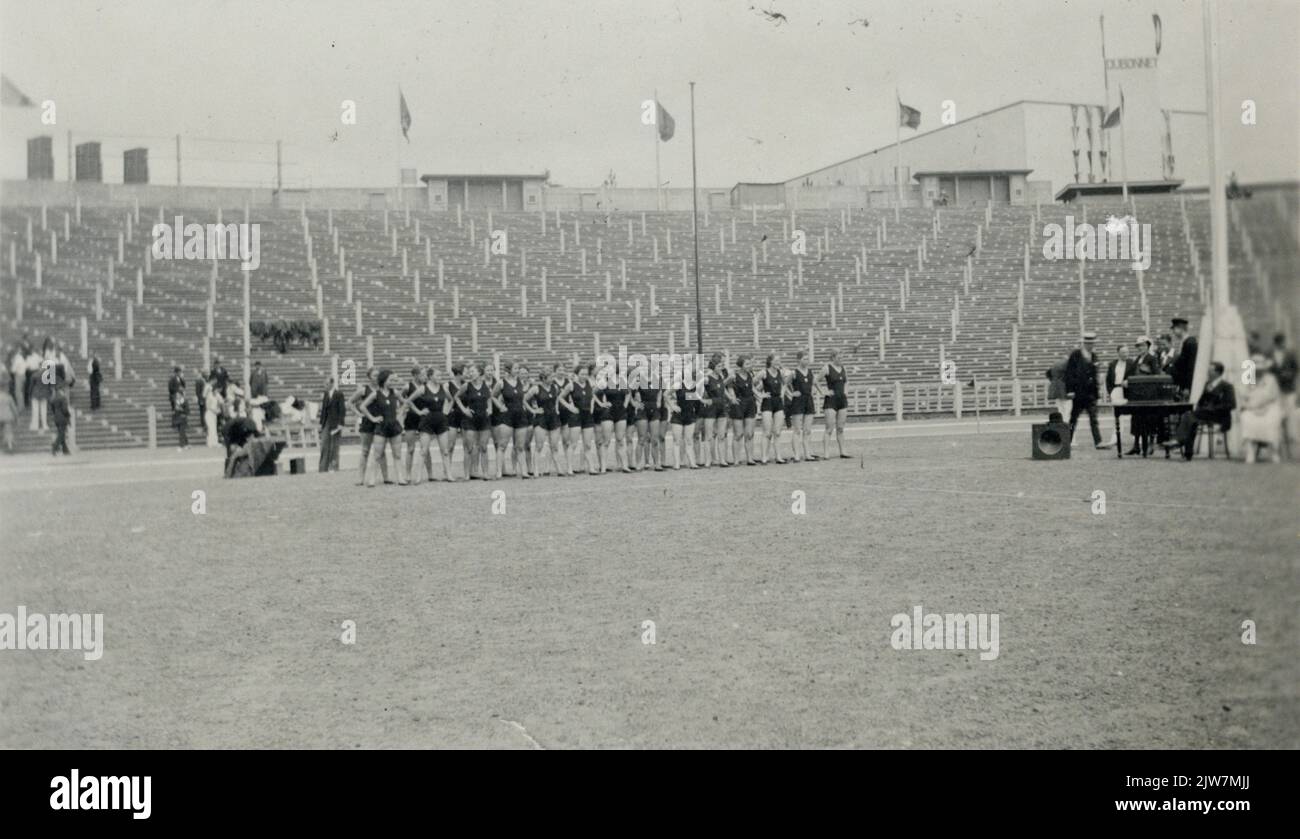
695 233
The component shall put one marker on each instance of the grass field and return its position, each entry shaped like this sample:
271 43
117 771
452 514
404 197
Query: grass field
525 630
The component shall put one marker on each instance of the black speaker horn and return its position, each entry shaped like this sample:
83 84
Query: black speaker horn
1051 441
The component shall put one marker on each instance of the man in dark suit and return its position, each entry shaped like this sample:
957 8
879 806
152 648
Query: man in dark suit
220 376
1081 382
61 416
1182 363
1216 405
258 381
333 413
176 384
1286 368
199 382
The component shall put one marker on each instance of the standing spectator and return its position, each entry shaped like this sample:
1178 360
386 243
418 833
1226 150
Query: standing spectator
1285 367
176 384
211 408
1147 362
181 418
200 387
1116 373
44 376
258 381
1081 382
64 372
219 373
333 413
1056 390
1144 428
1182 360
1164 351
31 371
18 374
96 379
8 413
61 416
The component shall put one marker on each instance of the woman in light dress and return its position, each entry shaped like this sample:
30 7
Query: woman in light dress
211 407
1261 412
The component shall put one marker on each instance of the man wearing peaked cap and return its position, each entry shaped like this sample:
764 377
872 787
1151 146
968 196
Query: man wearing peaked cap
1182 360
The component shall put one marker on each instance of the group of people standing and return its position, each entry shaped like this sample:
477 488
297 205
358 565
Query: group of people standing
543 422
1267 408
40 382
1074 385
219 401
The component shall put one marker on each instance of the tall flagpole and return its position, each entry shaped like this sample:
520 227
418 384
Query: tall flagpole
401 193
695 233
1105 111
1123 148
659 198
898 149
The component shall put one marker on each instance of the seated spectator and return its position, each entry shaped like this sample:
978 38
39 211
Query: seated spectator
1261 412
1215 405
257 410
237 433
291 410
1236 190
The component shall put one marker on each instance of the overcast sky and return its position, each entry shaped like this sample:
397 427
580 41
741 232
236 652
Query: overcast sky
498 86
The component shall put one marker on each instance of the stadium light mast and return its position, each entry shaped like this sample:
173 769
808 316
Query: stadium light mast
1221 323
695 232
659 190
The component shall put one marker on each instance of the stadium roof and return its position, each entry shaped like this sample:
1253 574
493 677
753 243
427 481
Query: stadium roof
965 172
490 176
959 122
1071 191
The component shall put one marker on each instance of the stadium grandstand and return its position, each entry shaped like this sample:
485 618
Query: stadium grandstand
899 290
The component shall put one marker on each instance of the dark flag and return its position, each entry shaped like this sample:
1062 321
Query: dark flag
667 125
1113 118
908 117
405 115
11 95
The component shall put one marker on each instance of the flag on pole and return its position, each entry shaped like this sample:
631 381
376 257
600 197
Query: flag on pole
405 115
667 125
1113 118
908 117
11 95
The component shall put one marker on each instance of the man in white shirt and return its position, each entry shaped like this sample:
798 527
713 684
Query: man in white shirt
1116 374
18 384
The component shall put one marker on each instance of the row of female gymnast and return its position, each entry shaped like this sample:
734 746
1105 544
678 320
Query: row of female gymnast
541 423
